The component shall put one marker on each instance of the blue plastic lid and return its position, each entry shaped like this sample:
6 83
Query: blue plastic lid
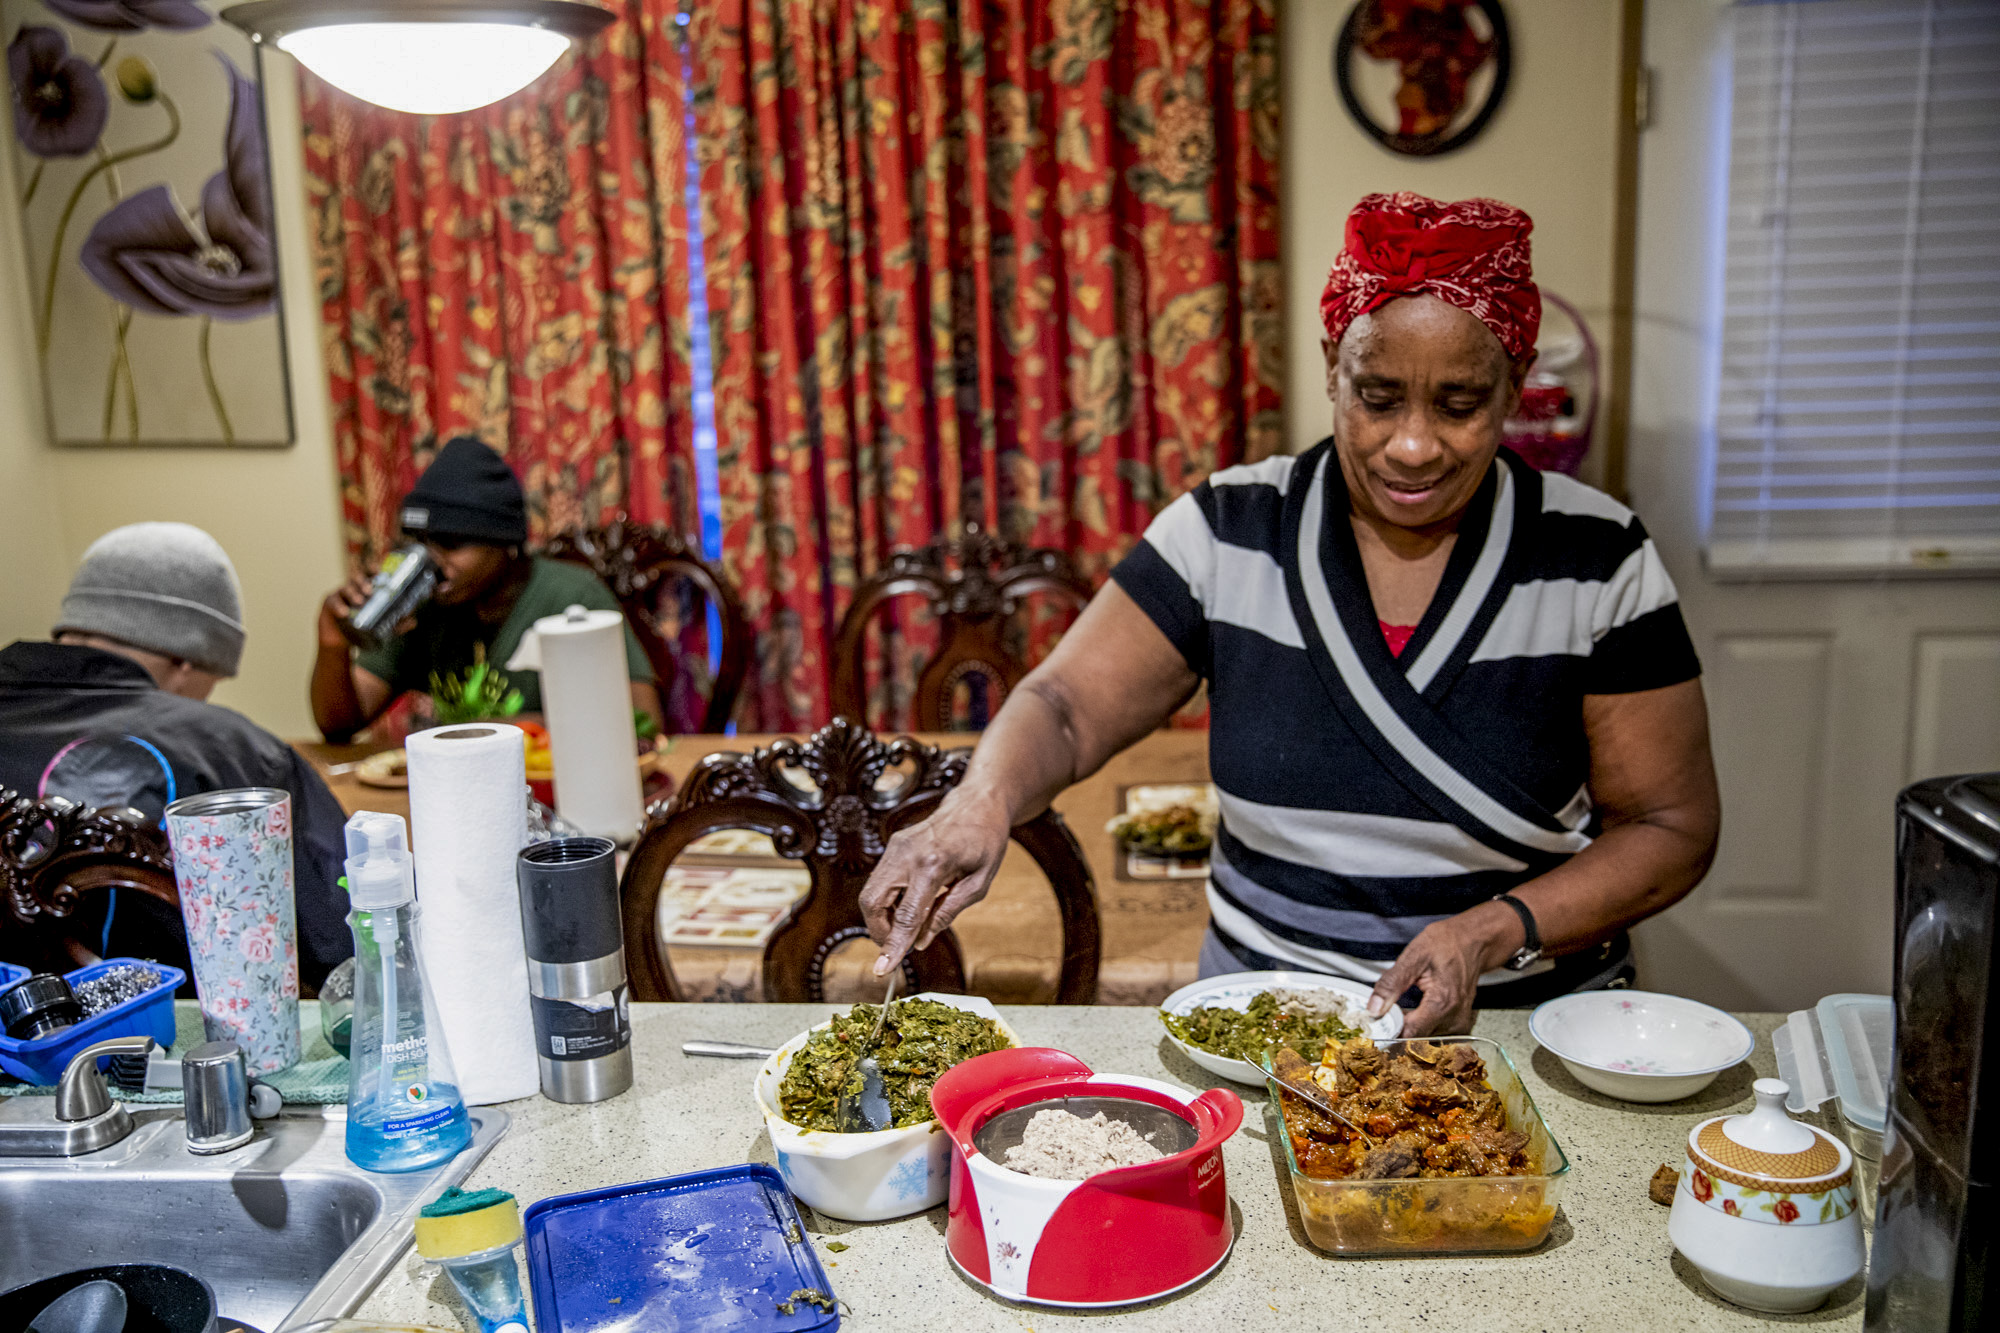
719 1250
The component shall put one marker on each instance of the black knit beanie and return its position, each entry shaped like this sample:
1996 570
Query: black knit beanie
468 492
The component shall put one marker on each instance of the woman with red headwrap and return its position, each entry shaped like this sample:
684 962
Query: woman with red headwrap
1456 723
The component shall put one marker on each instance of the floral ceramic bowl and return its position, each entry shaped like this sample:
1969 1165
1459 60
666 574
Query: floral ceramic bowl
1640 1046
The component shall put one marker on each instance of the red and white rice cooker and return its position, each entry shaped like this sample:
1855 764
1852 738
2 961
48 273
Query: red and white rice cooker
1129 1234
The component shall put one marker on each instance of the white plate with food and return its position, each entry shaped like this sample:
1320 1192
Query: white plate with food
1307 1006
385 768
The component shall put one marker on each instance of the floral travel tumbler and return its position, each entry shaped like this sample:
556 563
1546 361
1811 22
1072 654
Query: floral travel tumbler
233 861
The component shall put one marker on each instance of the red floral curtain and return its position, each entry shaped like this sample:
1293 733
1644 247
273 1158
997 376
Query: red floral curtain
1005 262
518 273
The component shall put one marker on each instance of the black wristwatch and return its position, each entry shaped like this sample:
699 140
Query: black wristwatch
1530 951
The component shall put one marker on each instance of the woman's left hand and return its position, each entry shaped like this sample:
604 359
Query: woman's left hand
1444 963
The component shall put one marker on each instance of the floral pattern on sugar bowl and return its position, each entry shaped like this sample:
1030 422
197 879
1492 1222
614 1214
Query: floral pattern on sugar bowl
1764 1205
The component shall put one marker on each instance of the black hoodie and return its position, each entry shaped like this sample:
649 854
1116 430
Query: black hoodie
92 727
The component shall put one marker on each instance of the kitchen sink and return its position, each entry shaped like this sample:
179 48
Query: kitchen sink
285 1228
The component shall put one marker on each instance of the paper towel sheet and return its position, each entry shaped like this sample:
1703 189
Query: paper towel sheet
468 819
587 702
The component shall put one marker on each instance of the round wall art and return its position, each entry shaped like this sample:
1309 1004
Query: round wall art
1423 77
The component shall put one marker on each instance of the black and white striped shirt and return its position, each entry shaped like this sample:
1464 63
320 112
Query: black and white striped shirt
1365 795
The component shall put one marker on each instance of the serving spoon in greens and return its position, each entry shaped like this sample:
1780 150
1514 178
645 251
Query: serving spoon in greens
864 1102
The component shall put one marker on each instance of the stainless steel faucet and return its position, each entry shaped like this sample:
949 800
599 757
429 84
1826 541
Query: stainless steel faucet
84 1120
215 1093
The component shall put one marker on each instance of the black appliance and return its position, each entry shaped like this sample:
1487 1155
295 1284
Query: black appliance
1937 1213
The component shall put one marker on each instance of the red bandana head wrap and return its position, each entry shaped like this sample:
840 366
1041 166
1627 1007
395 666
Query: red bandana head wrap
1473 253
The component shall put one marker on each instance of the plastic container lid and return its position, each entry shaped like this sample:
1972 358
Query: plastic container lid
719 1250
1840 1048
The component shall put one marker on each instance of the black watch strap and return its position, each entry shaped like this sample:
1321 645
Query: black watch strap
1531 947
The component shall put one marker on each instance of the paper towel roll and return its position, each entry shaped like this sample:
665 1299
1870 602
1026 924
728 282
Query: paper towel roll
587 702
468 821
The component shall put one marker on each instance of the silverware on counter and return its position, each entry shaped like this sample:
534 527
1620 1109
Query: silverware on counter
727 1050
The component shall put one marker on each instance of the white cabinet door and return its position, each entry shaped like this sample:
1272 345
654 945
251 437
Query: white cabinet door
1826 697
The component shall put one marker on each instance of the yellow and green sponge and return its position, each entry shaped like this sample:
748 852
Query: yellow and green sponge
462 1222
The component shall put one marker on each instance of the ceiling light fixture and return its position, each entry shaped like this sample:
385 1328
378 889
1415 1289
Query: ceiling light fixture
428 57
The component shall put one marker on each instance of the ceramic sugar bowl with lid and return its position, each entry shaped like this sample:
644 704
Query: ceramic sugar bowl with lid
1765 1208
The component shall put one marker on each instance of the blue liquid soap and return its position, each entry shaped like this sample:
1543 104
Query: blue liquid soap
404 1111
490 1285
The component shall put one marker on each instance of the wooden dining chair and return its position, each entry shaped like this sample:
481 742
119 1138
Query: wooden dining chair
647 566
54 854
973 585
826 801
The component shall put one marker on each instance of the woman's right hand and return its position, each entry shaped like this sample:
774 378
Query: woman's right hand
1112 678
932 872
341 603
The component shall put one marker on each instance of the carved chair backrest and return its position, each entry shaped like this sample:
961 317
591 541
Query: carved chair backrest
825 801
643 564
53 854
974 585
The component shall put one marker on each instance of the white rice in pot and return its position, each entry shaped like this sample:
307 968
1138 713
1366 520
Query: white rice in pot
1059 1146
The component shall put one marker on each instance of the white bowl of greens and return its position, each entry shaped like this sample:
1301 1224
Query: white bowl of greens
870 1176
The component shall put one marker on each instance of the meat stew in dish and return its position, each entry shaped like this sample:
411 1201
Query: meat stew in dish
1425 1110
1445 1151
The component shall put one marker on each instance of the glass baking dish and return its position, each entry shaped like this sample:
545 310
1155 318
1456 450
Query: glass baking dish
1450 1215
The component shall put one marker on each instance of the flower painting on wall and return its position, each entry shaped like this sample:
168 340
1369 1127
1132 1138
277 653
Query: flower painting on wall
143 178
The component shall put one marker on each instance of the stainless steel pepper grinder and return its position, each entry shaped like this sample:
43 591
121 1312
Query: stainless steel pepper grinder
570 922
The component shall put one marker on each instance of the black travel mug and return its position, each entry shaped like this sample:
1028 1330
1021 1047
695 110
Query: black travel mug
571 924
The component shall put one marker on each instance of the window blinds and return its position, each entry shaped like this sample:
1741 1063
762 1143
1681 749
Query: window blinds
1858 420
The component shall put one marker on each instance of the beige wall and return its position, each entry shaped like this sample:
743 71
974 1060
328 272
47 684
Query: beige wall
1550 149
274 510
33 563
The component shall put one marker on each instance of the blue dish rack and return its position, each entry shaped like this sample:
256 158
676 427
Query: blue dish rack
42 1061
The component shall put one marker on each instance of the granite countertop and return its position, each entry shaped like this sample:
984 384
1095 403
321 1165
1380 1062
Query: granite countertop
1606 1264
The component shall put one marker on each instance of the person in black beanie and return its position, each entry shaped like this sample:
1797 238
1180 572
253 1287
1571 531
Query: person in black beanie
469 511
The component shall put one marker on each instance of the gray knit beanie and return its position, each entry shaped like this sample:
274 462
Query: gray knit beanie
166 587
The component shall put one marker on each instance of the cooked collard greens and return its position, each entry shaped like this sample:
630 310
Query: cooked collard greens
920 1041
1270 1020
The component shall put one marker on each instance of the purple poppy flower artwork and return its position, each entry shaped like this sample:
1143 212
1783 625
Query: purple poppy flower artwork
144 253
132 15
146 216
60 103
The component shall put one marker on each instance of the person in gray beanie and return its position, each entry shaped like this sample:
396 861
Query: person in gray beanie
166 589
114 712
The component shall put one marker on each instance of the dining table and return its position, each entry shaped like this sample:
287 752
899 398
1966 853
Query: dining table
1606 1264
1151 928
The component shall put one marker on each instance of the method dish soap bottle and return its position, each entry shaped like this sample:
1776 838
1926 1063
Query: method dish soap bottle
403 1107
